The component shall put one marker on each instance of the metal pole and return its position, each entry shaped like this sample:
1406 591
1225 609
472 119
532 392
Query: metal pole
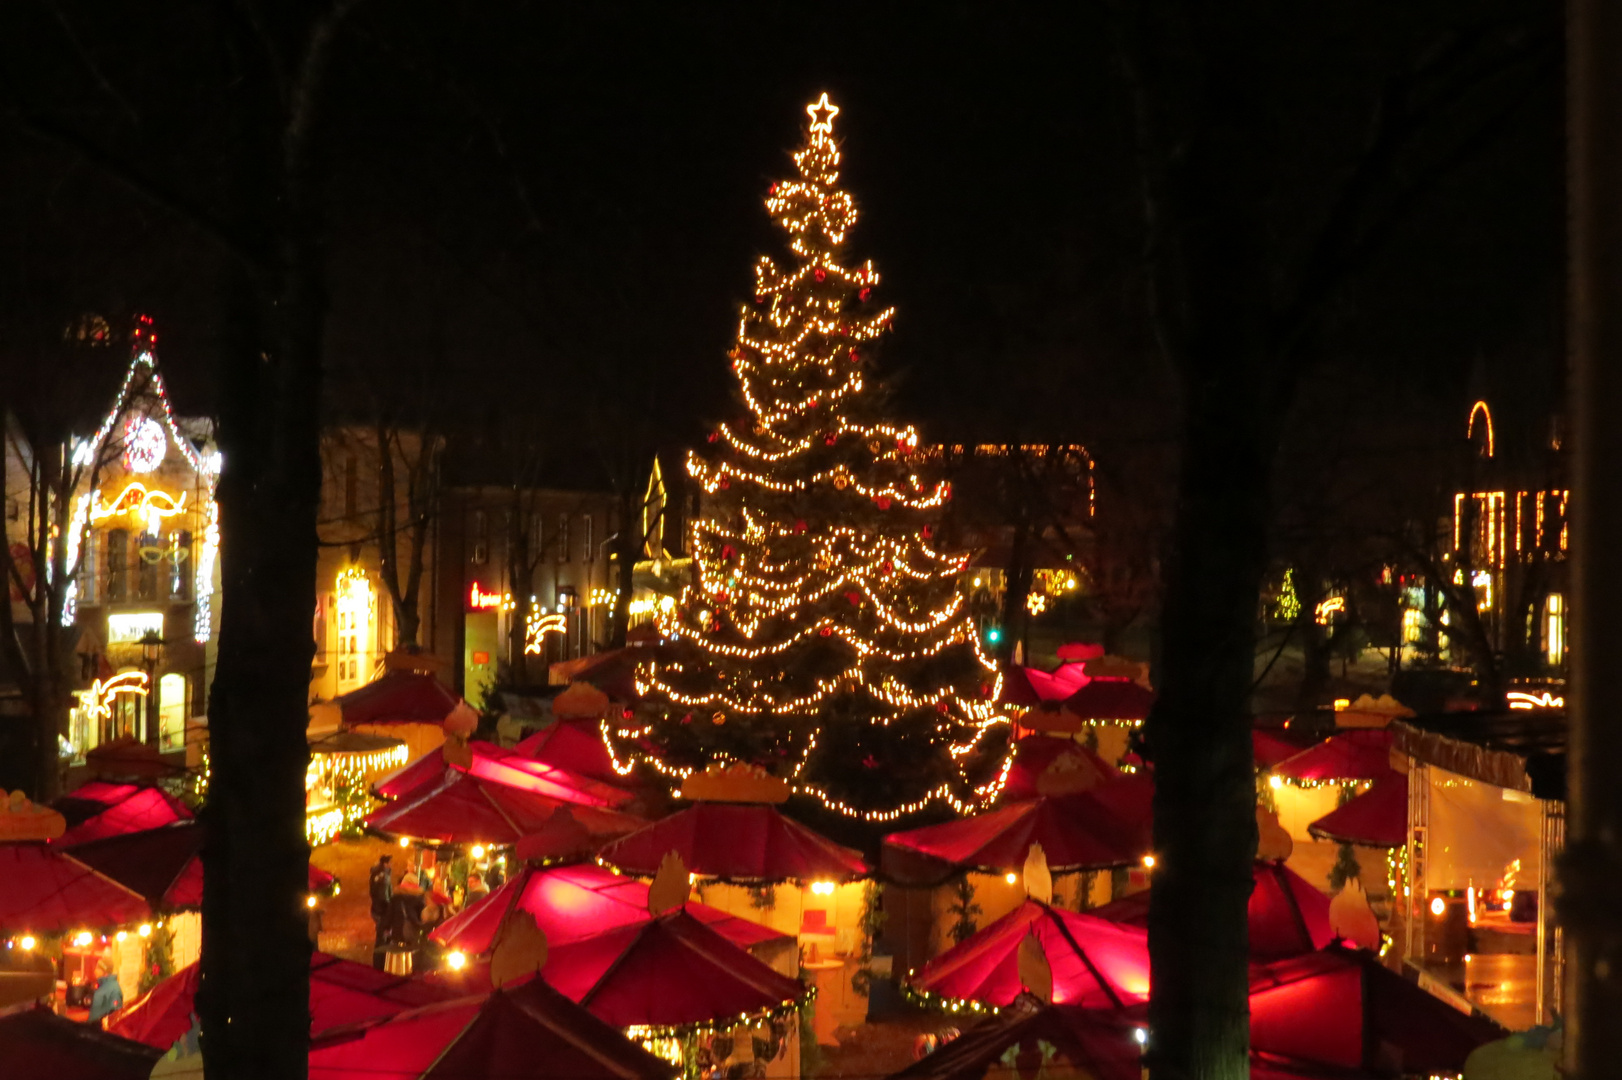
1590 873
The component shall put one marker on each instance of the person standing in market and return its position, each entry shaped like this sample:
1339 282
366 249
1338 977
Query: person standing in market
109 996
382 891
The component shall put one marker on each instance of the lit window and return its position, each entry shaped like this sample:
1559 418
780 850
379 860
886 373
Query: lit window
1555 628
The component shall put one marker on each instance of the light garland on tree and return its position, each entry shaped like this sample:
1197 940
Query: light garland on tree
816 592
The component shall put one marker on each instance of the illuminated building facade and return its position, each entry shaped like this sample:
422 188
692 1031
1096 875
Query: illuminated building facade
1510 534
145 541
530 577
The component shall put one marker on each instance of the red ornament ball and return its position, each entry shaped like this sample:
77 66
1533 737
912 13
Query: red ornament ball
942 707
854 355
627 712
688 719
830 439
799 526
864 294
985 689
882 502
772 190
854 597
820 274
727 552
714 435
826 631
724 484
928 531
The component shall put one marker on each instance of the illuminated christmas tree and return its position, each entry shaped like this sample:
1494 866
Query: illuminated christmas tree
823 634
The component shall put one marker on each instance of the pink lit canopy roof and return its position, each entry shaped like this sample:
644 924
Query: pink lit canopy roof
463 808
341 992
45 890
1376 818
399 697
1287 915
492 762
1095 962
737 842
668 971
1034 754
1340 1007
1110 698
528 1029
574 745
570 903
1358 754
164 865
1107 826
101 808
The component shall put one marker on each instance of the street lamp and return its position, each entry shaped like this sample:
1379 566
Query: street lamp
151 652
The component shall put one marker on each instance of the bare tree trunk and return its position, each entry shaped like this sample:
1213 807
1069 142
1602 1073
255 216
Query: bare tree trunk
1199 738
1590 872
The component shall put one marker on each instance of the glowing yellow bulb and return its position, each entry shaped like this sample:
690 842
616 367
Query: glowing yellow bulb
822 888
120 936
478 851
145 929
1438 906
27 942
1148 862
82 938
1275 781
309 901
1010 877
405 842
456 961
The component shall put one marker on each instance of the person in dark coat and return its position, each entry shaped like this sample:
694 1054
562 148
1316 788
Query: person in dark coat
382 890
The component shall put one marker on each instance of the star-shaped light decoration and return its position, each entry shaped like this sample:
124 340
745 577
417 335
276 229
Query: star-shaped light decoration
822 112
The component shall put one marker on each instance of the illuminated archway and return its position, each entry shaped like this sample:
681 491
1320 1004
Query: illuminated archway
1486 418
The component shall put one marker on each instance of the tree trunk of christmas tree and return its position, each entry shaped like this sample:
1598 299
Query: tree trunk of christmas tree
1199 737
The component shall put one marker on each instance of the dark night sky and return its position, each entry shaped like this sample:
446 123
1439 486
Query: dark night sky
987 147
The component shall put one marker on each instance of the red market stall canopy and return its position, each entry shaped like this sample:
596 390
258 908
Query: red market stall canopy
101 808
1342 1008
1035 755
1030 686
1272 747
48 891
575 746
1288 916
399 697
1376 818
1359 754
341 992
669 971
570 903
462 808
1095 962
743 843
164 865
1108 826
36 1044
1110 698
1082 1042
491 762
528 1029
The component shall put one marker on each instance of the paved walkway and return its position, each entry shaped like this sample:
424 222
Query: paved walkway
346 919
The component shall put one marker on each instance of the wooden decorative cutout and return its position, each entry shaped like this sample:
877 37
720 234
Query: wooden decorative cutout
1038 880
670 885
1034 970
520 948
1351 917
21 819
738 783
